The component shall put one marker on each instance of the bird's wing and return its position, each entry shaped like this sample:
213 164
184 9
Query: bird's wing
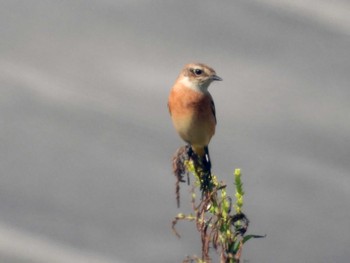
213 109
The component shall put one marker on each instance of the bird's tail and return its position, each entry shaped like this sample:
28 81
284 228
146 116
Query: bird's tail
203 153
200 157
204 163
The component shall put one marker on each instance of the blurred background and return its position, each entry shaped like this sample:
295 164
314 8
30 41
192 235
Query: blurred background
86 140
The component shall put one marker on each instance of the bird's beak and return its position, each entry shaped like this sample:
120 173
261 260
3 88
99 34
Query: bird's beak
214 77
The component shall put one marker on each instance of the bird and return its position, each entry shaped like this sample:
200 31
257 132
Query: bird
192 108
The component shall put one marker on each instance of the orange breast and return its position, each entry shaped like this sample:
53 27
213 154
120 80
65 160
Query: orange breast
192 115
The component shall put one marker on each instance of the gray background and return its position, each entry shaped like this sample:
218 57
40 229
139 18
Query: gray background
86 140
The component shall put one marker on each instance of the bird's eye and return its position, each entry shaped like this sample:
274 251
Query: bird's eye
198 71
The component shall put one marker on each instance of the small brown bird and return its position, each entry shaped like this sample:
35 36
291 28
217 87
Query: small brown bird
192 107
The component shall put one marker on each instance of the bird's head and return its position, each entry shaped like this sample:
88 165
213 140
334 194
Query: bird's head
198 76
